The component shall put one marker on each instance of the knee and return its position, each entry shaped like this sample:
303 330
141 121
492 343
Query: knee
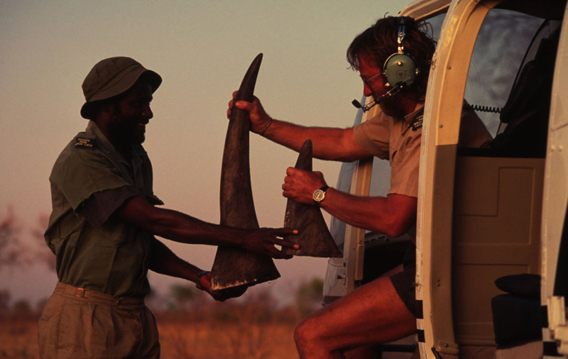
306 333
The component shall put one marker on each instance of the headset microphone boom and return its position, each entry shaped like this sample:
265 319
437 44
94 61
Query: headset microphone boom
400 69
378 100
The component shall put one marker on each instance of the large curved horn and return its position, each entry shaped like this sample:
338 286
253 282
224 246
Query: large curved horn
235 267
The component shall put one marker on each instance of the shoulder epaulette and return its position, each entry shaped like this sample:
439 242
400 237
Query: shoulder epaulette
84 142
417 123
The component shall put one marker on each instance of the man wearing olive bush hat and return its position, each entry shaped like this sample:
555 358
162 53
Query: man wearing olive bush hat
103 224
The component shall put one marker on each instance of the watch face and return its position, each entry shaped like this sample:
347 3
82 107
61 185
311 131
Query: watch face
319 195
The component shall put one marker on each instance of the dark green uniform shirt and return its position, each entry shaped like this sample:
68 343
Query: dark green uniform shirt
95 251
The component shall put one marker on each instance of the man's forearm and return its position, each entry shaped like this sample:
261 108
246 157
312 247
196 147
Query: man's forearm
177 226
392 215
182 228
166 262
327 143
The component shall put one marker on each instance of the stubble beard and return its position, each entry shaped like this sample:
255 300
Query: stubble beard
126 129
392 107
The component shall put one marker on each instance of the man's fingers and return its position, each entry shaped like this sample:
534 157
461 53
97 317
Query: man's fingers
242 105
286 232
280 241
290 171
278 254
272 240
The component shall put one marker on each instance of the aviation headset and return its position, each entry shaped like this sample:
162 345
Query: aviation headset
400 68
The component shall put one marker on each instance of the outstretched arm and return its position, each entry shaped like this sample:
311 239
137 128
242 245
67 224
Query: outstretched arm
392 215
164 261
335 144
180 227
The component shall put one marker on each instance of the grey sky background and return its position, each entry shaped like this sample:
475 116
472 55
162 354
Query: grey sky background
202 50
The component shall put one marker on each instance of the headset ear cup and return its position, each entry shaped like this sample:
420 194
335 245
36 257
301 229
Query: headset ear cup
400 69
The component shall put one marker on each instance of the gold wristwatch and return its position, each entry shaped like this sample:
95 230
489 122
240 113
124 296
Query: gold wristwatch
319 195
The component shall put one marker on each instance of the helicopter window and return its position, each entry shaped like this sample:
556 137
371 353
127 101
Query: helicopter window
510 81
498 53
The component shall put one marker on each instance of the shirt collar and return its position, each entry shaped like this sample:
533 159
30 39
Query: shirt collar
411 117
93 129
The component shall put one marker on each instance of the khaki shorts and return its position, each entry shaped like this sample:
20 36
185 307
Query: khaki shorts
405 282
78 323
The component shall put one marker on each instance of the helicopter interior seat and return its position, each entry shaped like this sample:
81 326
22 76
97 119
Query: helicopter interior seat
517 315
517 318
525 114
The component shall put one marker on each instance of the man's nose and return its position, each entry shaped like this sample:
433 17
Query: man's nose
366 90
147 112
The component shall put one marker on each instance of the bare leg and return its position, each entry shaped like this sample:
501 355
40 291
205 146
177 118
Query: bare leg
371 314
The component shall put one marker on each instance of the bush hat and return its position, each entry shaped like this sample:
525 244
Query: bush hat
112 77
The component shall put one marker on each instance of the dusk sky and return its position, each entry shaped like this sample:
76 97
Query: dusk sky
202 50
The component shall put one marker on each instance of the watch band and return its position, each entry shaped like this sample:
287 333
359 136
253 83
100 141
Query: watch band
319 194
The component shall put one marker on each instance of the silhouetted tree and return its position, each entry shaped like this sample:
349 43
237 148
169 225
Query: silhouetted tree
43 254
12 252
309 296
183 296
15 253
4 300
22 308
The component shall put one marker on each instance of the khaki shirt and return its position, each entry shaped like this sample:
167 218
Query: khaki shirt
101 254
397 141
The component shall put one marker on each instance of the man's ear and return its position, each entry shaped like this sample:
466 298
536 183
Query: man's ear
104 113
107 108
